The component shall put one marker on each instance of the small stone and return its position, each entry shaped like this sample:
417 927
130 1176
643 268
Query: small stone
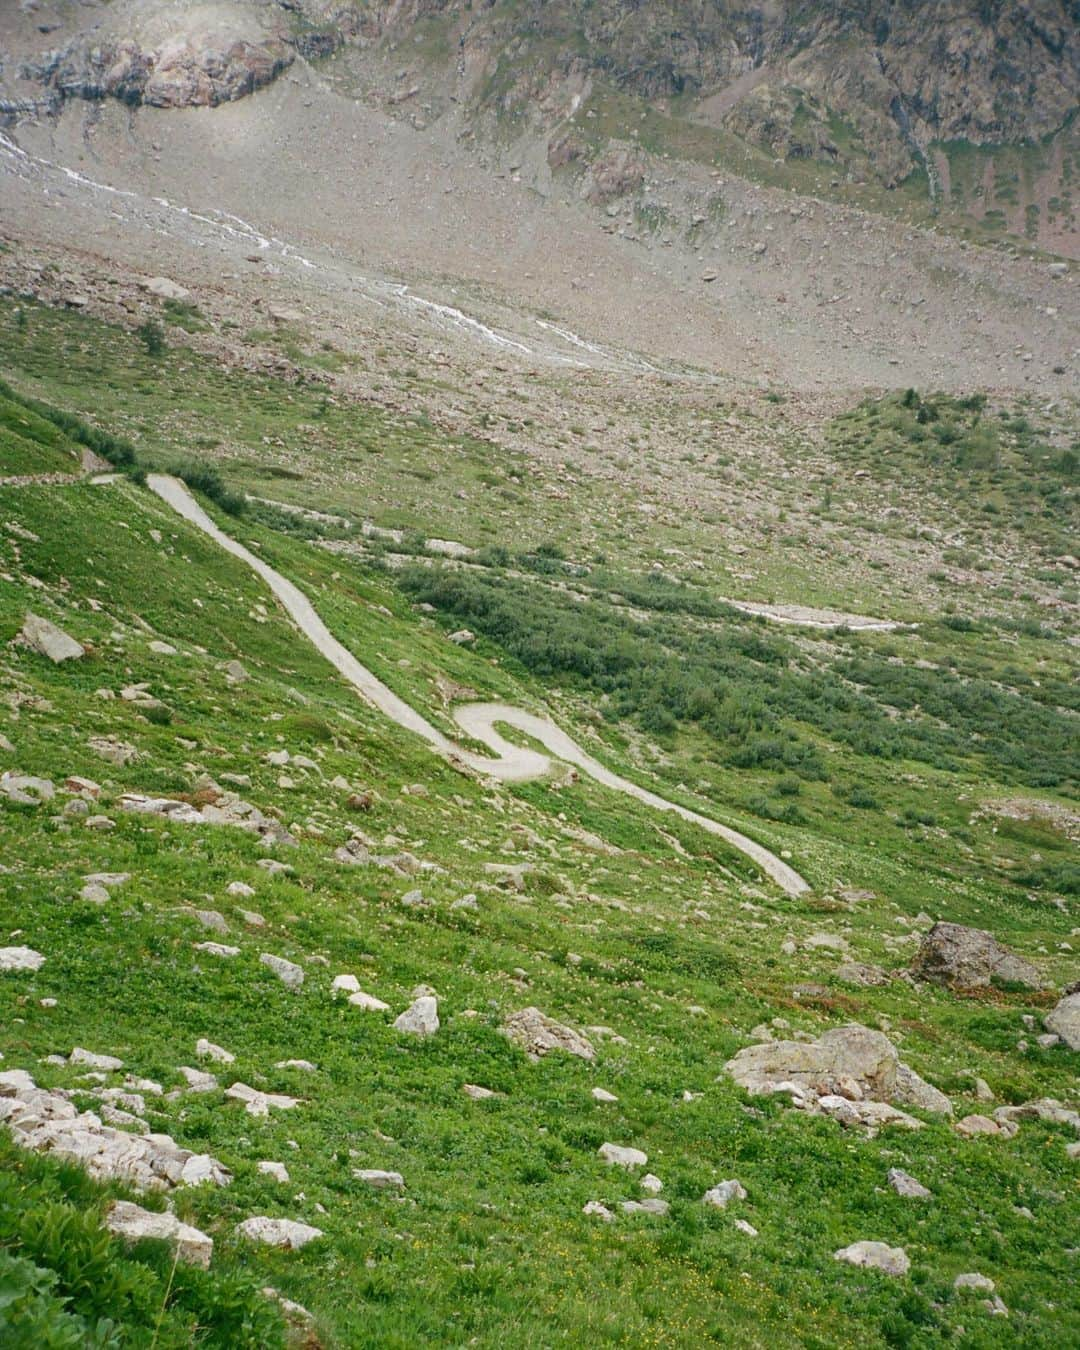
722 1194
421 1018
368 1002
600 1094
88 1060
303 1065
287 1233
20 958
240 888
208 1050
274 1169
288 972
345 984
651 1183
197 1079
595 1210
907 1186
217 949
981 1284
875 1256
973 1125
747 1228
93 893
134 1224
212 919
477 1093
380 1181
619 1156
648 1206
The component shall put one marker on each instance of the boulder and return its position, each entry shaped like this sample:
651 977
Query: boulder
875 1256
287 1233
970 958
46 639
538 1034
850 1068
420 1018
133 1223
1064 1021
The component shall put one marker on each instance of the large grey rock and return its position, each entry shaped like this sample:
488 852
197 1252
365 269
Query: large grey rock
287 1233
875 1256
538 1034
420 1018
133 1223
46 639
970 958
1064 1021
848 1068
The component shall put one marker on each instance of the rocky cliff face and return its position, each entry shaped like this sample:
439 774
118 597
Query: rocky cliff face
182 54
783 73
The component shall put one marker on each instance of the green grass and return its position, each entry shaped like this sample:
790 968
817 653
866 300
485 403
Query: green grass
489 1243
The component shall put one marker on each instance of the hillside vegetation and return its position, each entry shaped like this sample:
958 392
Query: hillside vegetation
914 775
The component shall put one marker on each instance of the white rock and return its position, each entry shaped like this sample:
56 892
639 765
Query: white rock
651 1183
477 1093
421 1018
20 958
240 888
94 894
88 1060
133 1223
287 1233
649 1206
258 1103
600 1094
596 1210
46 639
381 1181
907 1186
368 1002
722 1194
162 648
345 984
198 1080
876 1256
200 1168
25 789
165 289
288 972
217 949
208 1050
274 1169
747 1228
619 1156
981 1284
304 1065
212 919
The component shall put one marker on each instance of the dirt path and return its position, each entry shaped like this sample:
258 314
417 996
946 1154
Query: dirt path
513 763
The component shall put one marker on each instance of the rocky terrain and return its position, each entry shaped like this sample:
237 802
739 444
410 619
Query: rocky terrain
538 684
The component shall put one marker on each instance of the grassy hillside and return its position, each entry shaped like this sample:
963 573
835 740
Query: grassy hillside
624 921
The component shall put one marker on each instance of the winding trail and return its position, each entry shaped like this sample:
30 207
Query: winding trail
513 763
